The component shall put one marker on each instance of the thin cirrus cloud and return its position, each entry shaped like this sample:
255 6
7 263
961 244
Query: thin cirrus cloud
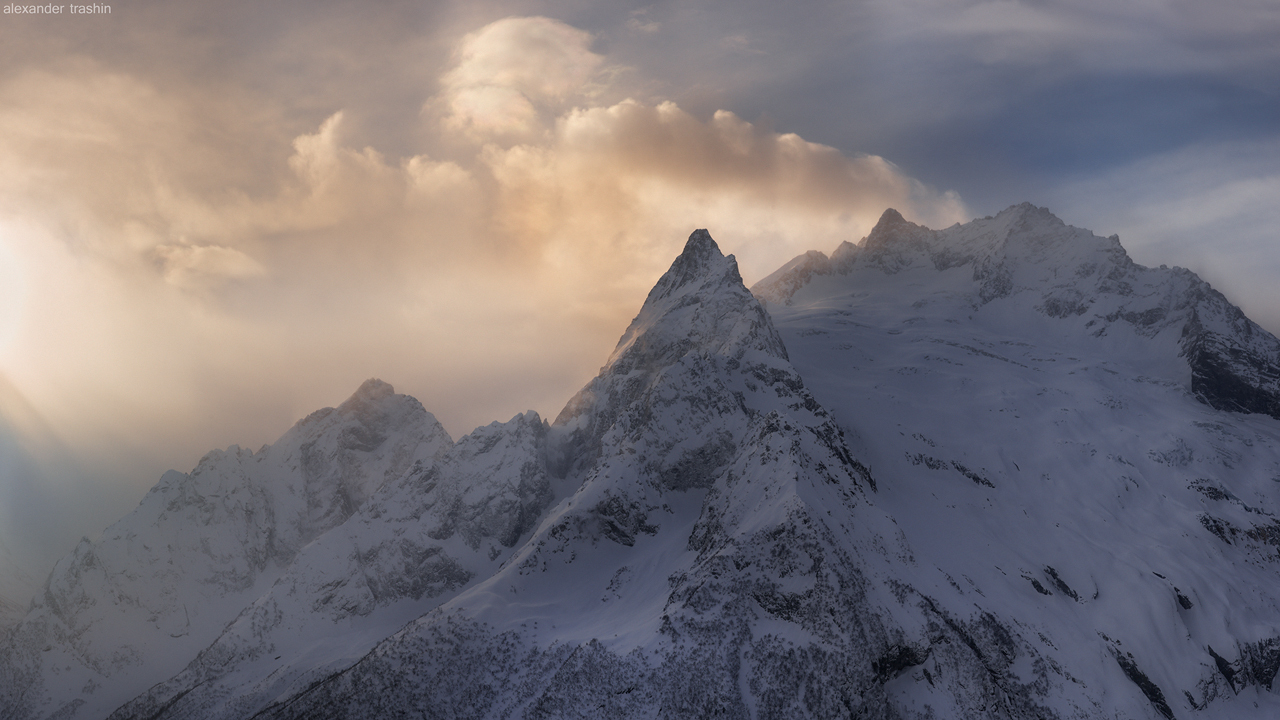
193 278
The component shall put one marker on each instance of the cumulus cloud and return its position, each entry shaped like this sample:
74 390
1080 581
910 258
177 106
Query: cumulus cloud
194 276
511 71
566 228
632 179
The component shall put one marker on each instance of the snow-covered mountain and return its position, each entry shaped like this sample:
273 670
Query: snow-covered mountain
419 540
685 450
1052 418
997 470
122 613
1051 270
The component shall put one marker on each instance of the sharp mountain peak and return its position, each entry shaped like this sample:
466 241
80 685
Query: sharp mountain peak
699 534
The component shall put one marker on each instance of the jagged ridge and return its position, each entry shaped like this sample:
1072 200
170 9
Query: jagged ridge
1028 255
698 534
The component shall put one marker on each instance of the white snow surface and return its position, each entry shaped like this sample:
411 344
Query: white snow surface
990 471
1089 461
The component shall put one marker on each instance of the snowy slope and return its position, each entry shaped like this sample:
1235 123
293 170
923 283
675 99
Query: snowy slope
697 426
720 557
119 614
418 541
1029 398
997 470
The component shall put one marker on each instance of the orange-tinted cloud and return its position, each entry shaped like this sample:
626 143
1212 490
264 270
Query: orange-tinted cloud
183 288
510 72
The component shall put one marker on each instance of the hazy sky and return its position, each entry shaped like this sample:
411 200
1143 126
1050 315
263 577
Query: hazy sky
216 217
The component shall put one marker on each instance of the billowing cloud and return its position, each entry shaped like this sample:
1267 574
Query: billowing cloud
195 266
217 218
510 72
351 254
626 183
186 275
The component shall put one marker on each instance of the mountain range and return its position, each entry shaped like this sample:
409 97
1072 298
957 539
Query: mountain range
995 470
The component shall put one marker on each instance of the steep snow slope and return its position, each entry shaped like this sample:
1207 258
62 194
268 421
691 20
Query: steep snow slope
719 559
418 541
989 471
119 614
692 455
1076 535
1028 397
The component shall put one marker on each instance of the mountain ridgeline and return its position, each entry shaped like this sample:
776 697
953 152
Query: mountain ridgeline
997 470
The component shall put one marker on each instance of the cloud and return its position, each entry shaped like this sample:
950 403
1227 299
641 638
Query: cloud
198 271
511 71
640 22
639 174
194 266
342 254
1154 36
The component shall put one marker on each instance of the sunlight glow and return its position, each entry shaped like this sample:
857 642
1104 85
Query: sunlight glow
13 291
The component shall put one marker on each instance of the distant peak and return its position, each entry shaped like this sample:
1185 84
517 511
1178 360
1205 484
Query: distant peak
371 390
700 251
1027 210
699 239
701 260
891 217
893 231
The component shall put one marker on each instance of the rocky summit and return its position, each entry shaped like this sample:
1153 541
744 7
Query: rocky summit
993 471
